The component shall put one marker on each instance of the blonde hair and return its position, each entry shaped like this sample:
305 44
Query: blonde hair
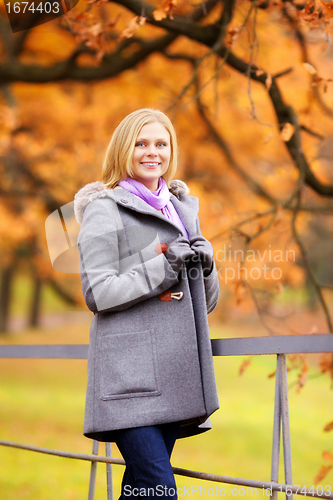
118 159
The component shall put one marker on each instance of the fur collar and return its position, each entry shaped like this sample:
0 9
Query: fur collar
96 190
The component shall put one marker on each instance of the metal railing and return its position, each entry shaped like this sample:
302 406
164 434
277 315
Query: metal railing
279 345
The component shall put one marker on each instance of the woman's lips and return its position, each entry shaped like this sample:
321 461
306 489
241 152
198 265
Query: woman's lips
150 164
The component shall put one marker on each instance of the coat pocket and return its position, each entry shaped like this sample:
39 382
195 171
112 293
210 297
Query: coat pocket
129 367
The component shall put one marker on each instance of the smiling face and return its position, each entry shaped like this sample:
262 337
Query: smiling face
151 155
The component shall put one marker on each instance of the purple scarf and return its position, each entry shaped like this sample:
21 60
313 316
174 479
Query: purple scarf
159 199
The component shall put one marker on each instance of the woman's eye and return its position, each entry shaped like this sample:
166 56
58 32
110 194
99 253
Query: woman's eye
161 144
140 143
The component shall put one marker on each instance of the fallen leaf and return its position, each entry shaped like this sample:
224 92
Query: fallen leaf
327 456
324 470
244 365
328 427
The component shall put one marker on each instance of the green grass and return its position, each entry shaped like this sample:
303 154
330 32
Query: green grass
42 403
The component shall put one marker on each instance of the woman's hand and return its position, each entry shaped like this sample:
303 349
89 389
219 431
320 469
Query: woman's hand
179 251
204 251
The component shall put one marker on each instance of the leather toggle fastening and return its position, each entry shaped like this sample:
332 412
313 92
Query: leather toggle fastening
168 295
161 248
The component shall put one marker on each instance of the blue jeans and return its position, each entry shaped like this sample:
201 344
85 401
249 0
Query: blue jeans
147 452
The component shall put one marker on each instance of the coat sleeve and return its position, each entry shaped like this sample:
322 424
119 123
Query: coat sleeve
211 282
113 277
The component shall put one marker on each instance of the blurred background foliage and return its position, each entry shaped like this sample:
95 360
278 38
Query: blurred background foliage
248 85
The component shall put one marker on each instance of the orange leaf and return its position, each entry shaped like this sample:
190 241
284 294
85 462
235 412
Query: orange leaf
315 80
328 427
113 22
165 9
131 27
287 132
328 7
303 377
324 470
268 81
95 30
326 363
268 137
328 456
240 291
309 68
232 36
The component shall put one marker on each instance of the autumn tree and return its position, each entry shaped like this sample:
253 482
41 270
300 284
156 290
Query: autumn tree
248 85
210 52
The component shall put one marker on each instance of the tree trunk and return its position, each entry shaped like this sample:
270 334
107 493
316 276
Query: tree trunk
7 274
35 306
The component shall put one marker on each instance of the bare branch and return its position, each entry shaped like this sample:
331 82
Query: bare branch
112 65
254 186
312 132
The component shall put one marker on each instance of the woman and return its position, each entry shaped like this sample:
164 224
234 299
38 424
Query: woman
149 276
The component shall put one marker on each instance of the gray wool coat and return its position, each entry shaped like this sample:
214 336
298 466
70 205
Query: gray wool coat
150 359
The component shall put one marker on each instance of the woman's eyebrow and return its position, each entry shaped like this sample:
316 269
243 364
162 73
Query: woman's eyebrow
144 139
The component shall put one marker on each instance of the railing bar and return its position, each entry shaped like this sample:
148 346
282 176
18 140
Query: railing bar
50 351
93 472
280 344
109 472
221 347
63 454
276 429
181 472
268 485
285 422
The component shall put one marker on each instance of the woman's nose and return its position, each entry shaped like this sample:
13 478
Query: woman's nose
152 150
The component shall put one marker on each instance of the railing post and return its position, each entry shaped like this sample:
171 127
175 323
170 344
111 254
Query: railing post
281 412
93 471
285 423
276 430
109 472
